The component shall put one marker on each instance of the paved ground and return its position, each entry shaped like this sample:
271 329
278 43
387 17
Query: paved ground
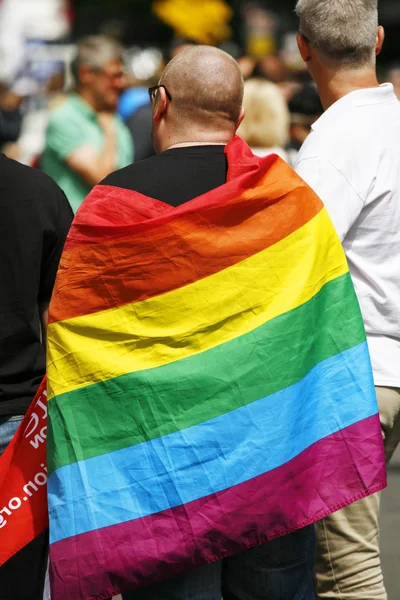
390 530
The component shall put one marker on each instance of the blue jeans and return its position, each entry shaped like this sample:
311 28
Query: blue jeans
280 569
8 427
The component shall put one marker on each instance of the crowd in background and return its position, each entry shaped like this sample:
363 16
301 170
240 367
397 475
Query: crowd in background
80 109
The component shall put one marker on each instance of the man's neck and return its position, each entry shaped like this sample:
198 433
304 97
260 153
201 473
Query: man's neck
334 85
190 144
87 96
196 138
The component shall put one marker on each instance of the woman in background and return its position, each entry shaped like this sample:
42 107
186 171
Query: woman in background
266 125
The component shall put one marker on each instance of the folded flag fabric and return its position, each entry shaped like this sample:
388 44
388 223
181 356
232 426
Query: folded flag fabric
208 377
23 479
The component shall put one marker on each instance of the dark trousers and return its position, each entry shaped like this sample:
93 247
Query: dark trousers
280 569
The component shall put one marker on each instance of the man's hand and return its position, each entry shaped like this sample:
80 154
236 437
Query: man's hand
107 123
92 165
44 318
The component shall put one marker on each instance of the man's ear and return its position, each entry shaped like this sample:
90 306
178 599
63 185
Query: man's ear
241 117
304 48
380 38
160 105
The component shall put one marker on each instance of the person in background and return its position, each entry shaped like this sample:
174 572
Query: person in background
10 116
179 44
86 140
352 161
266 125
393 77
305 108
23 22
139 124
35 219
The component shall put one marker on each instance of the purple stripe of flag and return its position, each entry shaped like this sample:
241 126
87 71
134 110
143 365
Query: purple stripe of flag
328 475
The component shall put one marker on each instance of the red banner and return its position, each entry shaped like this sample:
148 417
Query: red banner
23 479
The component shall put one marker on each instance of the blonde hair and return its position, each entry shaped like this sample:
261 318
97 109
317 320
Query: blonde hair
267 119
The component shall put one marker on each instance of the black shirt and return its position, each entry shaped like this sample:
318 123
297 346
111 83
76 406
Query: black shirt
175 176
34 220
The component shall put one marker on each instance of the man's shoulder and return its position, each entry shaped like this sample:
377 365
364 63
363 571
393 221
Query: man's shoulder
326 140
360 130
21 180
65 114
133 175
344 143
16 173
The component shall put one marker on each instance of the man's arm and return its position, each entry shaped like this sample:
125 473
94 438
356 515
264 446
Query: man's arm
44 319
342 201
59 220
93 165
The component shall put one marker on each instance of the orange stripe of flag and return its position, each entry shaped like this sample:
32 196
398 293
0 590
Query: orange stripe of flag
180 251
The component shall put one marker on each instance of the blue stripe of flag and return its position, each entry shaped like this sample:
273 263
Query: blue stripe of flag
209 457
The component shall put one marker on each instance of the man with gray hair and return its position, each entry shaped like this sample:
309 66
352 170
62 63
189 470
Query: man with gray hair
352 160
86 140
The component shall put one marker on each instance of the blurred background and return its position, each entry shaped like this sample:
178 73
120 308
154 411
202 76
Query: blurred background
38 41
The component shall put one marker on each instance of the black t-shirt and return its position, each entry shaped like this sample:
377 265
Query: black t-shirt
175 176
34 220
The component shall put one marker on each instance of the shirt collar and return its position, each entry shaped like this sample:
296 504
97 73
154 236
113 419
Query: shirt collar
365 97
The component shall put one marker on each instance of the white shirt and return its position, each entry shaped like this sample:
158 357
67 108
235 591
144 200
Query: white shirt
352 161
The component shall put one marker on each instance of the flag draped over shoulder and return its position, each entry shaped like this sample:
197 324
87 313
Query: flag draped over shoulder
209 380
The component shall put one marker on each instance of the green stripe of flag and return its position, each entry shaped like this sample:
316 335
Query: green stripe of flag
144 405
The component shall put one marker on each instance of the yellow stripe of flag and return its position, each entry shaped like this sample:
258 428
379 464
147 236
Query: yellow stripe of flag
197 317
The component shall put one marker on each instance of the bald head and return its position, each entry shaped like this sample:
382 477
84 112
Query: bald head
206 86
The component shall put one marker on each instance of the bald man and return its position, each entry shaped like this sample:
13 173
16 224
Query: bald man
197 108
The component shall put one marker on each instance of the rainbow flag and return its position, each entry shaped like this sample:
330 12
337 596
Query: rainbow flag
209 383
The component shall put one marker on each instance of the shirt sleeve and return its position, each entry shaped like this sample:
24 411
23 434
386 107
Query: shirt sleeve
54 237
64 135
340 198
